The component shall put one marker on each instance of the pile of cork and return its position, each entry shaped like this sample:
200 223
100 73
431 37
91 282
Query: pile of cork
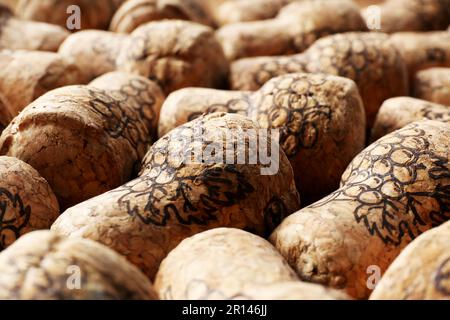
224 149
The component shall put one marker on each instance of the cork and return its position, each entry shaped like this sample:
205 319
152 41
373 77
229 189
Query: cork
139 93
173 199
228 263
93 51
93 14
5 115
413 15
44 266
433 85
420 272
320 119
16 34
176 54
81 139
28 202
396 113
391 193
366 58
134 13
366 3
27 75
294 29
230 11
423 50
291 290
186 104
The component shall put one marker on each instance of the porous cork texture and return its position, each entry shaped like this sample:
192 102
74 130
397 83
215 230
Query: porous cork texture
27 201
421 271
433 85
390 193
294 29
422 50
224 263
320 119
176 54
366 58
171 200
396 113
83 140
16 34
95 14
134 13
27 75
412 15
44 266
93 51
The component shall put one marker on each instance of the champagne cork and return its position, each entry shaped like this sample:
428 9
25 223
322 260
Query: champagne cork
421 271
227 263
433 85
66 13
423 50
367 58
294 29
187 104
28 202
230 11
176 54
141 94
413 15
396 113
392 192
27 75
83 140
320 119
44 266
174 198
16 34
93 51
134 13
